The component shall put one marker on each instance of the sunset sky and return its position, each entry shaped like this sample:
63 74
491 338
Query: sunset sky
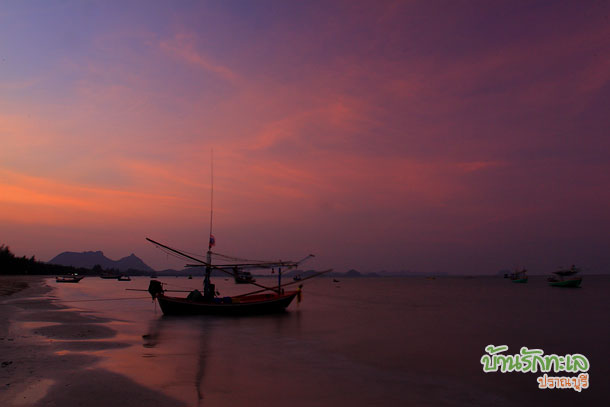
452 136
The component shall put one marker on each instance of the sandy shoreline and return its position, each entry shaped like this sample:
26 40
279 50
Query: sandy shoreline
46 354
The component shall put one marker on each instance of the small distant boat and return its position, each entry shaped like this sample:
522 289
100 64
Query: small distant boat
297 277
519 276
190 277
335 280
154 275
565 278
124 278
69 279
243 277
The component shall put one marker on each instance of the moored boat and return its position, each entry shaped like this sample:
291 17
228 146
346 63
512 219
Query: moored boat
238 305
566 278
243 277
268 299
69 279
123 278
519 276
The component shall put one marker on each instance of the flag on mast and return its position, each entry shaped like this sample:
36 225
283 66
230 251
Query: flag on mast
212 241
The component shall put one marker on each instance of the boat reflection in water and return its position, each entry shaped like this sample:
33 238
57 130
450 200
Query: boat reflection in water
195 350
161 342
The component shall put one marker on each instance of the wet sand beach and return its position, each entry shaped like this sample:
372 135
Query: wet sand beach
39 360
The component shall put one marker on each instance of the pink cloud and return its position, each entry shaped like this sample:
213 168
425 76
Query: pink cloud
183 47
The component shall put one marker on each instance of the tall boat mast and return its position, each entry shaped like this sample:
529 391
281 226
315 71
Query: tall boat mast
211 200
208 287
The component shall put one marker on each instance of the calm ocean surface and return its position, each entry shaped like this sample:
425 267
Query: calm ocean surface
359 342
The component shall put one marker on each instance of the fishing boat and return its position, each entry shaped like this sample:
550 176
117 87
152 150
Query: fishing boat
72 278
566 278
123 277
519 276
108 275
266 299
243 277
195 302
297 277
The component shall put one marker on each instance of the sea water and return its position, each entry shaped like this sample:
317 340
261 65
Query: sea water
357 342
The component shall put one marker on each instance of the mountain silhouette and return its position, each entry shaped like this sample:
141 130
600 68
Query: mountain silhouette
90 259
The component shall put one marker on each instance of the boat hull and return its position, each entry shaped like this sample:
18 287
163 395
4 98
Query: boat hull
572 283
247 305
68 279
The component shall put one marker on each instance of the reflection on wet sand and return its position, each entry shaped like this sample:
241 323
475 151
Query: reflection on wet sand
151 338
204 337
200 333
200 345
